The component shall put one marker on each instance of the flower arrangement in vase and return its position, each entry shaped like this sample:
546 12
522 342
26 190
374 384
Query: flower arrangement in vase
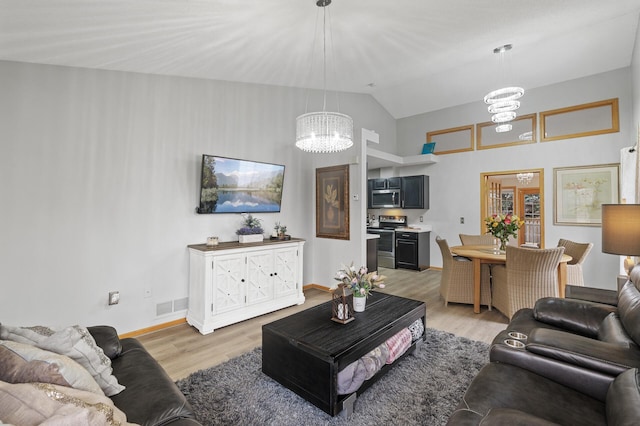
251 230
503 227
361 282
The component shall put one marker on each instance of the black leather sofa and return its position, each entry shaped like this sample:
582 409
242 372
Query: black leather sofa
575 361
502 394
583 341
150 397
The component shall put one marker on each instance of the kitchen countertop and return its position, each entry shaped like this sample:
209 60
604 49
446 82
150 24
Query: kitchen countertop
415 228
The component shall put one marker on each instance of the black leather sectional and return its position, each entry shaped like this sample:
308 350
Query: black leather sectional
150 397
566 361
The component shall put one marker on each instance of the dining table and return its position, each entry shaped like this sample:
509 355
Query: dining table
491 255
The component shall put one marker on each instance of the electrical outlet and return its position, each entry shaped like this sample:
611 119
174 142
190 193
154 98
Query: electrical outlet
114 297
462 220
355 197
421 219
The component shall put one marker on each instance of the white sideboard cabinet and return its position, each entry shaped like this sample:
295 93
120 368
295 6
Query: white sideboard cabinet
232 282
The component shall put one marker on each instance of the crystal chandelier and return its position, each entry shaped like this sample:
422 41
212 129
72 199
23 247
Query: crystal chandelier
503 102
524 178
323 131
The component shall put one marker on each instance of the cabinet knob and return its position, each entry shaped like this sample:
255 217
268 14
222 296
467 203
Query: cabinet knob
242 280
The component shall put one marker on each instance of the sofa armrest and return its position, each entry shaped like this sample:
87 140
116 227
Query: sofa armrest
107 338
496 416
592 294
623 399
150 397
509 416
609 358
578 316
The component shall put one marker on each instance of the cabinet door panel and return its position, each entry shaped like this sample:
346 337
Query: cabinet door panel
379 183
407 254
285 278
415 192
394 183
228 293
259 277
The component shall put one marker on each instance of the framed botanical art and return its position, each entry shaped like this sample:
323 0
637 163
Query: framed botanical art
579 193
332 202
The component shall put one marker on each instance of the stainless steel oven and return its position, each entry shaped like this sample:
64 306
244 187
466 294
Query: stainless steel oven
387 240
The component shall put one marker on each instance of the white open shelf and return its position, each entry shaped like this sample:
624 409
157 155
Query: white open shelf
377 159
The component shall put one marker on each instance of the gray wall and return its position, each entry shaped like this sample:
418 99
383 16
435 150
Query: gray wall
455 180
636 88
99 176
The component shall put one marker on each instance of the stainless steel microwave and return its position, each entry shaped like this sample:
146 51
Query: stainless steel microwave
385 198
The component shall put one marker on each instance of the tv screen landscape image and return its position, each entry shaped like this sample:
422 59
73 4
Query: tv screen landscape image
229 185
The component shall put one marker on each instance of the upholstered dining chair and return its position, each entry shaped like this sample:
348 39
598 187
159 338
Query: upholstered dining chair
578 253
456 284
529 274
480 240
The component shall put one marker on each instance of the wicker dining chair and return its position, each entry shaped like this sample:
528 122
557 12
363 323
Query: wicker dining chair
480 240
456 284
477 240
529 274
578 253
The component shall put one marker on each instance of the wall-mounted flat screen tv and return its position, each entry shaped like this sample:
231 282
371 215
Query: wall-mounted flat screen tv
229 185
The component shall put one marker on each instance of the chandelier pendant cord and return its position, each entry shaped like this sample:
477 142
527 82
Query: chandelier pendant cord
323 131
324 59
313 49
333 63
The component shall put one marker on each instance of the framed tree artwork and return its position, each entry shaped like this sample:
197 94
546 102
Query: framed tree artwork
332 202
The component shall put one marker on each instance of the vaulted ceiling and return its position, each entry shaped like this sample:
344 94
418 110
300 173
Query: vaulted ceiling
413 56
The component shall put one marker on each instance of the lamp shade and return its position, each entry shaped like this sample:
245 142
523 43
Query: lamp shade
621 229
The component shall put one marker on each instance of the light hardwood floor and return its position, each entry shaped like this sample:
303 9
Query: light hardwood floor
182 350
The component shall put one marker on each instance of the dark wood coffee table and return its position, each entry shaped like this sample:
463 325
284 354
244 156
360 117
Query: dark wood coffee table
305 351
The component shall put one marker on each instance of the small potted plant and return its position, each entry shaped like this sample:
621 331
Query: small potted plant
251 230
279 231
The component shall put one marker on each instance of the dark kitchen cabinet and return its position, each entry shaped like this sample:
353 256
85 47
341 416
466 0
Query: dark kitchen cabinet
412 250
415 192
372 254
386 183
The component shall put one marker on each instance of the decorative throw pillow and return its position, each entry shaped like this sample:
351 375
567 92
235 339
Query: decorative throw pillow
416 329
351 377
22 363
375 360
47 404
398 344
75 342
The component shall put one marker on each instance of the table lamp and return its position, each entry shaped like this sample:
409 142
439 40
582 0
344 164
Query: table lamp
621 231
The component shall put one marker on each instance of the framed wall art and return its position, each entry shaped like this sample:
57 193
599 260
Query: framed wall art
579 193
332 202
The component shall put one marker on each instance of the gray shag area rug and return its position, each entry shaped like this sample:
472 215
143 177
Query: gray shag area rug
421 389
